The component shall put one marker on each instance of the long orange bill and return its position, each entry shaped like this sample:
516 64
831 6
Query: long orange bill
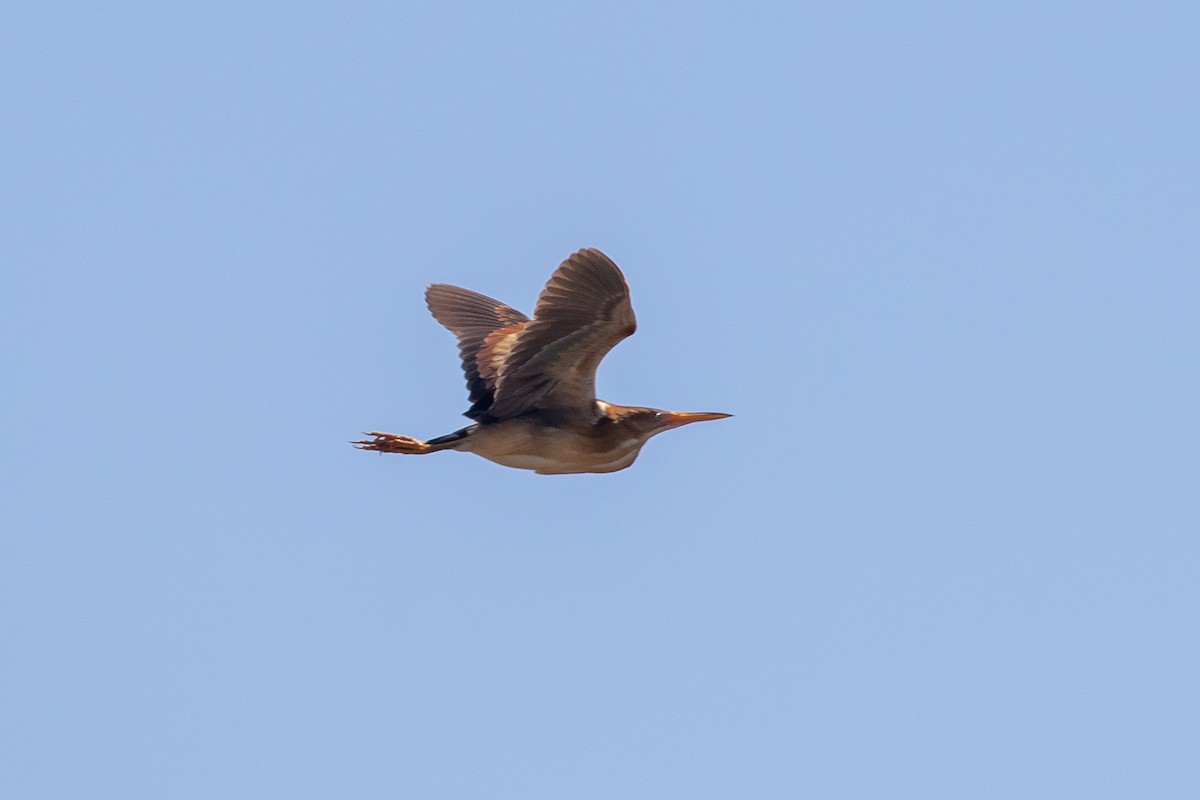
676 418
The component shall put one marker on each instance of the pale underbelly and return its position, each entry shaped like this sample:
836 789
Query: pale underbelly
548 465
548 451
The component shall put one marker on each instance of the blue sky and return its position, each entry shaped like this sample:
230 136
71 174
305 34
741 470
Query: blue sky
940 260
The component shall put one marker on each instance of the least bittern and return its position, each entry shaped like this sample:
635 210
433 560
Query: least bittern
532 382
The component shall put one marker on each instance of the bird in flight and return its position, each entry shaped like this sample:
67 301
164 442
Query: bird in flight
532 382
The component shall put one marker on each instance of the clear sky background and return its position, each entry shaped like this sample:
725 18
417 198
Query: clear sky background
940 260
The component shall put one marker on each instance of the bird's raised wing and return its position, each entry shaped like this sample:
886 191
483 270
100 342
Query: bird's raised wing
486 330
581 314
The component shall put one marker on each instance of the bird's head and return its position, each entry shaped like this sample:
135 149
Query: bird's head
647 422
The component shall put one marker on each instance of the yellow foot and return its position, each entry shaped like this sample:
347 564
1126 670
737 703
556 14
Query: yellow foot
392 443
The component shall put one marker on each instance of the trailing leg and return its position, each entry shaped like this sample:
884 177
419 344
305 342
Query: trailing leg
395 443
